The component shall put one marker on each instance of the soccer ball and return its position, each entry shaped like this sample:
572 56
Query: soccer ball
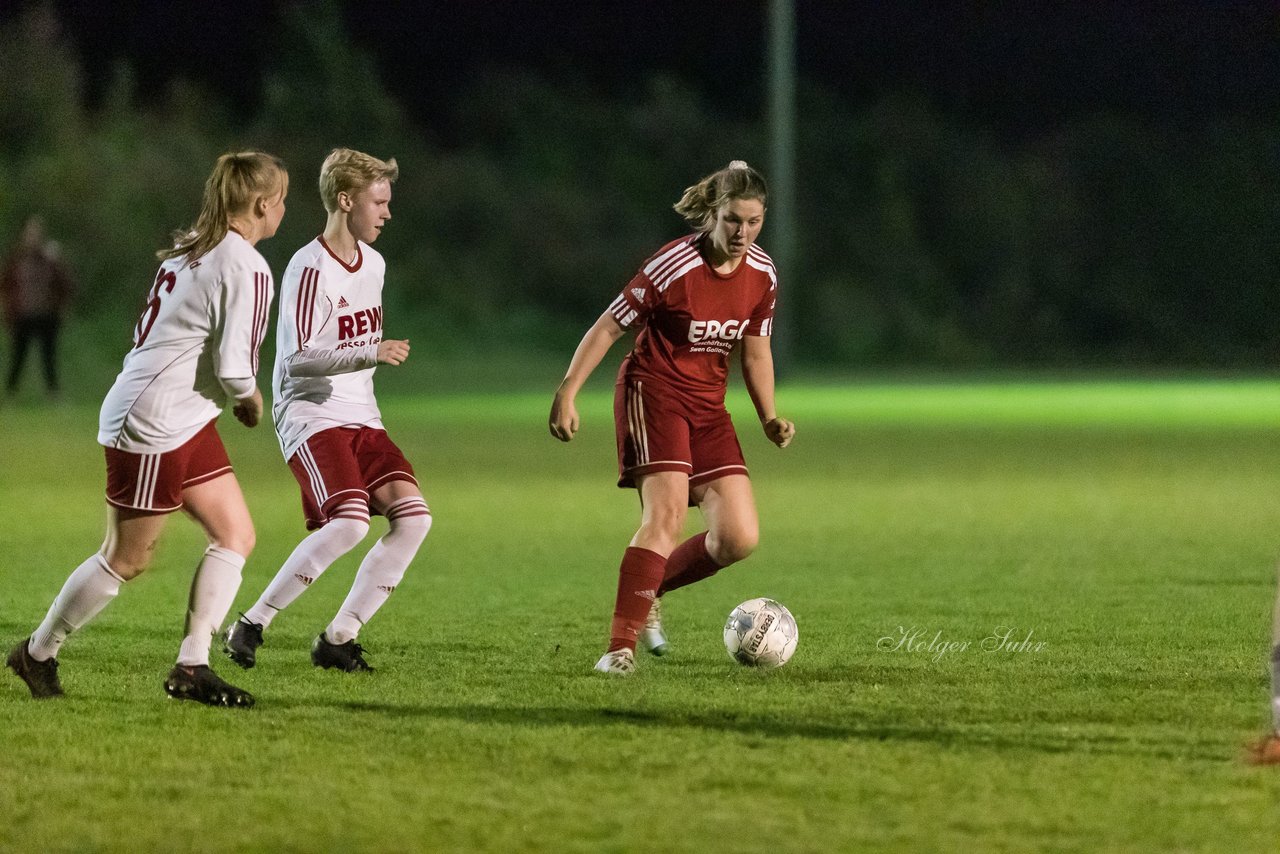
761 633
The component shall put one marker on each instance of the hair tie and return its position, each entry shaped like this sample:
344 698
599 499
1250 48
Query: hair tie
738 164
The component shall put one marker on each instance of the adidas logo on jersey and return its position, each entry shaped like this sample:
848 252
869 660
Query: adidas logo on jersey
342 302
638 293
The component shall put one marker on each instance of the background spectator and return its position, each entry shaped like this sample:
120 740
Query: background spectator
36 287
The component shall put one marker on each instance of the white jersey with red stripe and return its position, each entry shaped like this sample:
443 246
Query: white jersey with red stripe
327 343
202 326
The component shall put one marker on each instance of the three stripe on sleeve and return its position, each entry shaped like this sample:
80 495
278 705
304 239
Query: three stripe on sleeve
305 309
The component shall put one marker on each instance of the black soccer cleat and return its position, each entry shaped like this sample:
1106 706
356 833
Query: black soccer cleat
242 642
348 657
201 684
41 676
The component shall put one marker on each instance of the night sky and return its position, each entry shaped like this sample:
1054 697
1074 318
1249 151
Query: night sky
1016 67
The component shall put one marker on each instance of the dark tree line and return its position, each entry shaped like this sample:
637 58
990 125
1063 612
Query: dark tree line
922 239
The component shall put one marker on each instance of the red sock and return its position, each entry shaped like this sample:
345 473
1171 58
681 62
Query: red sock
638 580
690 562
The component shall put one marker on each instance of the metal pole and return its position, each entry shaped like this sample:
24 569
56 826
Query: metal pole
782 123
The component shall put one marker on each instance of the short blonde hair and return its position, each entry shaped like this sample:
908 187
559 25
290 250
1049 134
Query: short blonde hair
348 171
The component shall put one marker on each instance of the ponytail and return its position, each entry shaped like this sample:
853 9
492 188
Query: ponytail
700 202
236 182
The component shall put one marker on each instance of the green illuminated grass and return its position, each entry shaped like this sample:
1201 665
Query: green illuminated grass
1129 527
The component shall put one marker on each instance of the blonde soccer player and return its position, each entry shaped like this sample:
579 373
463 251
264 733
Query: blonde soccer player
195 348
693 303
329 341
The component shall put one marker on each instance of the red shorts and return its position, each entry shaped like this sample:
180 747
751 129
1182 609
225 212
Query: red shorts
345 463
155 481
660 430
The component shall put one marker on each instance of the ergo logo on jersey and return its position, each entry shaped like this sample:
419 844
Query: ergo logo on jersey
359 323
711 330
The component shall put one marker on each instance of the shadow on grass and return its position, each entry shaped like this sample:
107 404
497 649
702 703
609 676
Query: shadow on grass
1077 725
1032 738
1005 737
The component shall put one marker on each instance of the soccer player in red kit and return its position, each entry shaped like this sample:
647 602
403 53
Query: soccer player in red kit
195 347
694 302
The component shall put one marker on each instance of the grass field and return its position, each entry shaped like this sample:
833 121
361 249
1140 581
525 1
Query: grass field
1129 529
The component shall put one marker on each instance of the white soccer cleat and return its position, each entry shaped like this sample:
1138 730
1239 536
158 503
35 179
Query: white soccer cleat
620 662
652 637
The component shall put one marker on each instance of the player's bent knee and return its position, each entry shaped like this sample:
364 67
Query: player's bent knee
244 543
345 533
657 538
411 528
666 525
128 563
127 568
240 542
734 547
413 523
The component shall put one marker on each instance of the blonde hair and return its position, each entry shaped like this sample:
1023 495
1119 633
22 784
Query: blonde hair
237 181
349 171
700 202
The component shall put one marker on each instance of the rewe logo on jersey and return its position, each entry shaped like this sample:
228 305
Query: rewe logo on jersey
717 330
360 323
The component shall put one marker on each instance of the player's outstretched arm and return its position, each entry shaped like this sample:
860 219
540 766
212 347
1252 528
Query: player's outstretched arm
393 352
757 373
563 420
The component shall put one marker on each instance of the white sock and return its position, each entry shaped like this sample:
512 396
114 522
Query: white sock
309 560
89 589
382 568
212 592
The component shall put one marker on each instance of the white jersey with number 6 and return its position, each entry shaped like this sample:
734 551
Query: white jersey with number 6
203 323
327 343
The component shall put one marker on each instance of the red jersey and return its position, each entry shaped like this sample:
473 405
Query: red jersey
691 317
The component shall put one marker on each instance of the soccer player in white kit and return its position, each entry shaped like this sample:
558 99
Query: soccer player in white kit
328 343
195 347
